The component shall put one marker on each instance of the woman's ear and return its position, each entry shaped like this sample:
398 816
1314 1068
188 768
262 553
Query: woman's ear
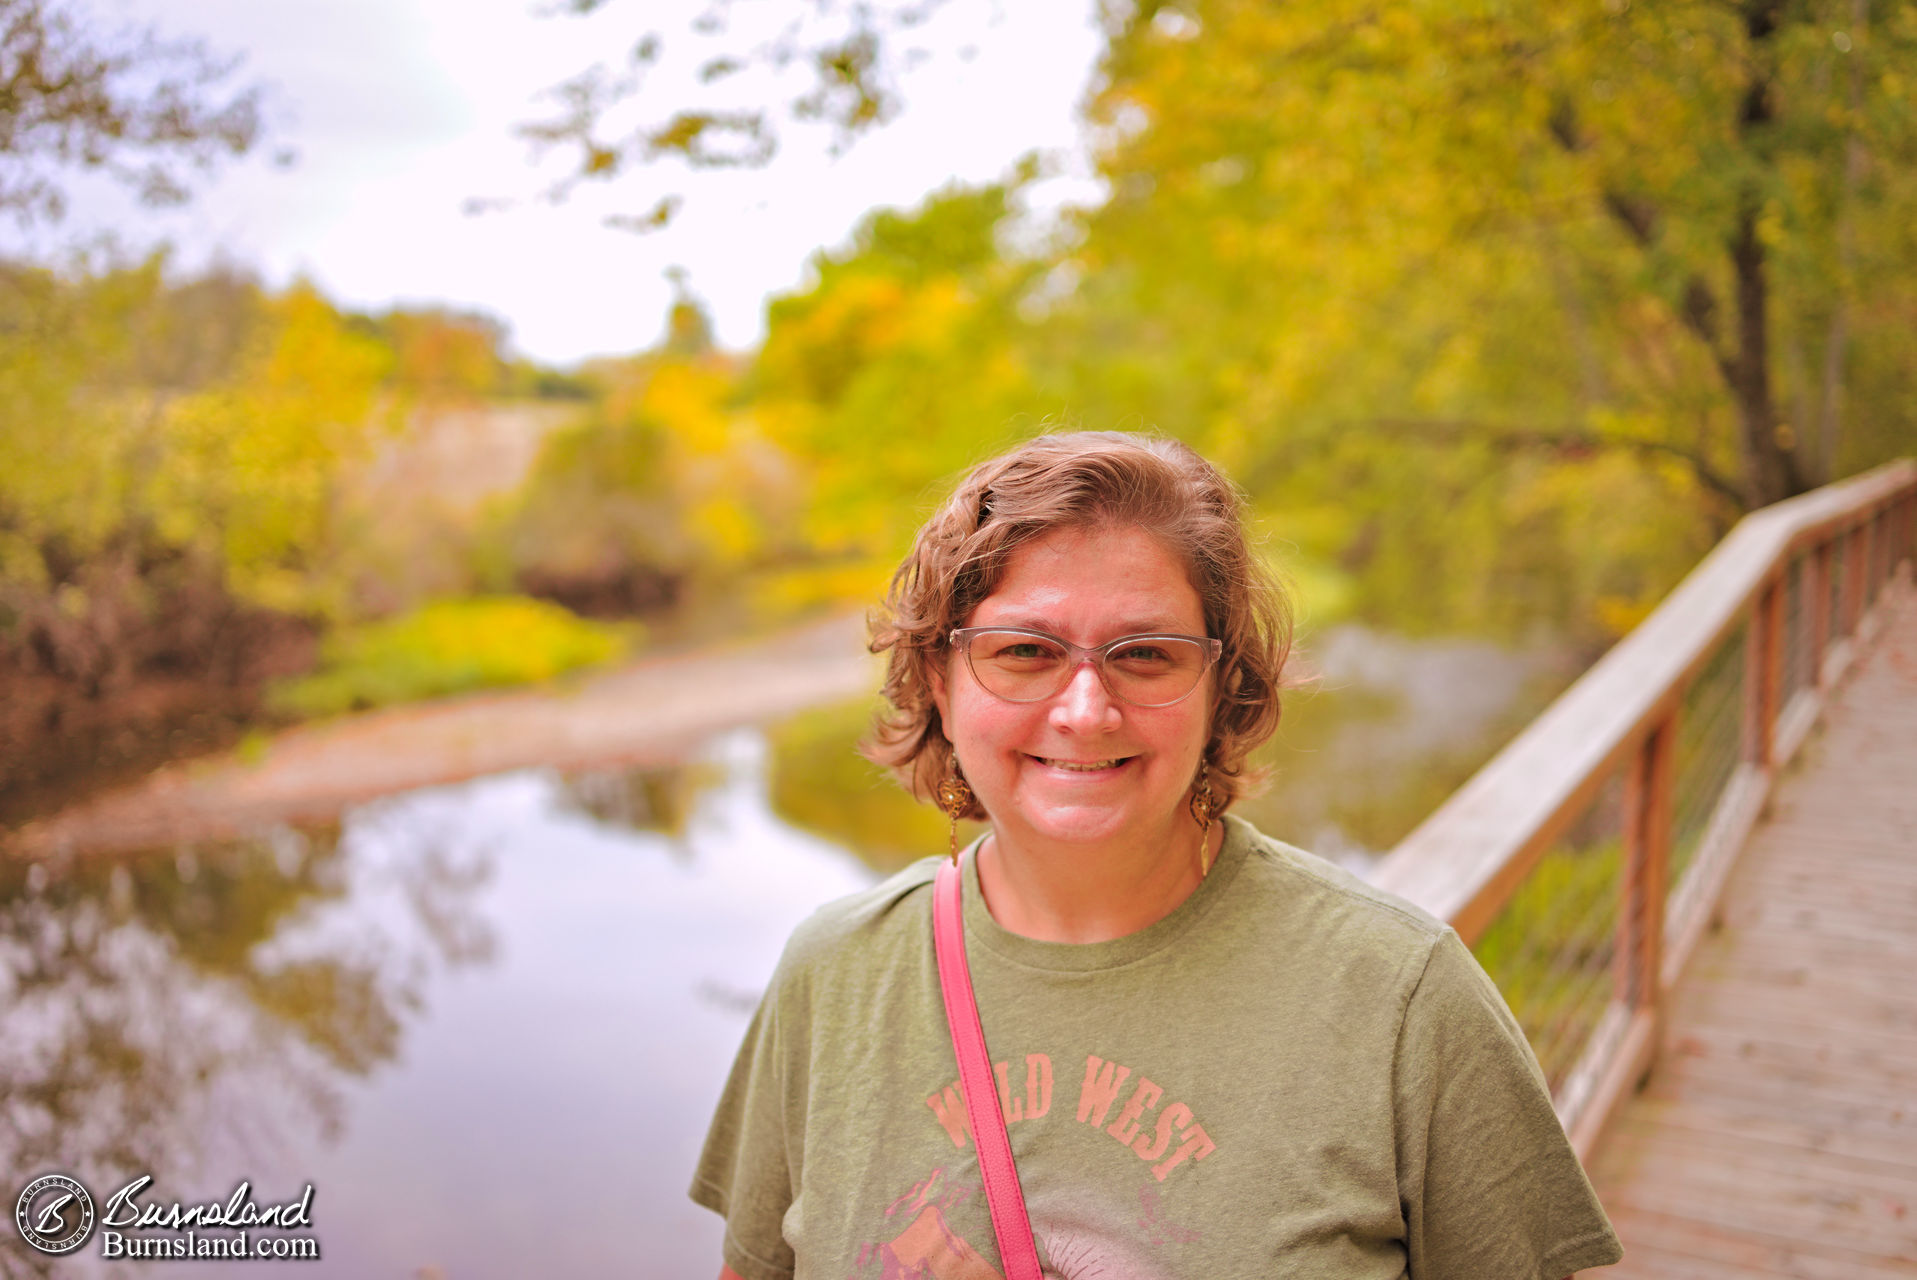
935 676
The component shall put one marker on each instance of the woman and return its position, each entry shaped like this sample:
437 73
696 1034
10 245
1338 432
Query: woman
1216 1055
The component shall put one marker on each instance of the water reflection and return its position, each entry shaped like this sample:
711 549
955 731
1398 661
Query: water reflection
192 1013
488 1022
653 799
820 782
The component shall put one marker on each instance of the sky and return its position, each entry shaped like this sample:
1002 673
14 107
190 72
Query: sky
399 112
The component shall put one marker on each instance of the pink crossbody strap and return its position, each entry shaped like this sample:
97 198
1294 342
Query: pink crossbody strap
1002 1193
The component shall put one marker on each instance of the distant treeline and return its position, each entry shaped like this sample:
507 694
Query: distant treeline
1499 328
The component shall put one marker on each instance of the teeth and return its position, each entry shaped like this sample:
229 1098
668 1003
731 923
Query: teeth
1091 766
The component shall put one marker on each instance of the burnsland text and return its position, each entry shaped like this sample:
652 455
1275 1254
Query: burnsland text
122 1210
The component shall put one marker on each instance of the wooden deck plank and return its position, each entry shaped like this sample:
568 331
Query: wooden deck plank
1700 1133
1820 1000
1797 1048
1854 951
1786 1095
1778 1133
1662 1246
1845 1129
1849 883
1812 921
1807 1199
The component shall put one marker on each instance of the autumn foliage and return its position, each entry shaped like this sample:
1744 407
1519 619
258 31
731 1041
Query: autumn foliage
1501 315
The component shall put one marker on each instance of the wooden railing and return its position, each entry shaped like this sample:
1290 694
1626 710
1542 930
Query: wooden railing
1586 860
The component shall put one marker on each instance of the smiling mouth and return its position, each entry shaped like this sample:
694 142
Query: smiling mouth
1084 766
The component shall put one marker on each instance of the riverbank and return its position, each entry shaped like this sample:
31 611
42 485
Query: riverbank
653 711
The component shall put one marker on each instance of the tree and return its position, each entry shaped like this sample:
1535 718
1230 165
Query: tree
739 81
1671 175
907 336
662 492
1506 311
152 489
442 354
144 110
1706 195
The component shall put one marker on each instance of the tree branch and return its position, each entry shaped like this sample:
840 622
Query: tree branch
1640 220
846 58
1569 443
137 108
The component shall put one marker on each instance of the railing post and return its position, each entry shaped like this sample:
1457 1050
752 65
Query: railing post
1646 858
1763 674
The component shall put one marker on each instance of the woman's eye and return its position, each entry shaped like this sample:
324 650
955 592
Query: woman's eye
1027 650
1142 653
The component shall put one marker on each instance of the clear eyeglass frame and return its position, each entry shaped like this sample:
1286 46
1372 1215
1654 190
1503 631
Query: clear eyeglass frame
1077 654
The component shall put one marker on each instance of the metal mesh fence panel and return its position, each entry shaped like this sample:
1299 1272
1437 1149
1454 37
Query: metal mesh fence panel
1797 665
1550 948
1873 545
1710 736
1834 586
1879 554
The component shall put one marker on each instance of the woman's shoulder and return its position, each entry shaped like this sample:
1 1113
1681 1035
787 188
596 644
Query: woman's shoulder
859 927
1300 891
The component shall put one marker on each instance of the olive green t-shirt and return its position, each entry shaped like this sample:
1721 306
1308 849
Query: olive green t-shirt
1292 1074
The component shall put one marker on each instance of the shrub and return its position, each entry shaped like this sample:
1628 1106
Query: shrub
449 646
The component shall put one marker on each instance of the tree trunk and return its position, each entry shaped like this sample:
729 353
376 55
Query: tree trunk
1764 444
1770 468
1830 421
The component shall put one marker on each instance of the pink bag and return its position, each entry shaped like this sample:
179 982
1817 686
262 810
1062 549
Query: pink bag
1002 1193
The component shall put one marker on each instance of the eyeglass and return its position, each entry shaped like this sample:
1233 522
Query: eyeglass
1019 664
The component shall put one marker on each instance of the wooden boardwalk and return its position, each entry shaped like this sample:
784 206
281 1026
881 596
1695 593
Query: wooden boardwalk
1778 1133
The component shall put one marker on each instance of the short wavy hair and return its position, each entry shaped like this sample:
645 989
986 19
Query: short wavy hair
1081 479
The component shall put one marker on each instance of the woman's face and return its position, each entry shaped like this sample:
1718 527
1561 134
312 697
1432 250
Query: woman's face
1082 767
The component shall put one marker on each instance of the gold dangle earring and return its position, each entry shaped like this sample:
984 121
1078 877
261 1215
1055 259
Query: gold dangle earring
955 798
1204 804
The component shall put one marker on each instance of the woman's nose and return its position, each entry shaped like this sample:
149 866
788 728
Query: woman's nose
1084 703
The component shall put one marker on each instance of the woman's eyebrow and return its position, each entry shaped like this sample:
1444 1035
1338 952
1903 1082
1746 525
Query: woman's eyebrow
1154 626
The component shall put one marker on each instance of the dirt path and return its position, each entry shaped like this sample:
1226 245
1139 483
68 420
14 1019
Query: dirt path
652 712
